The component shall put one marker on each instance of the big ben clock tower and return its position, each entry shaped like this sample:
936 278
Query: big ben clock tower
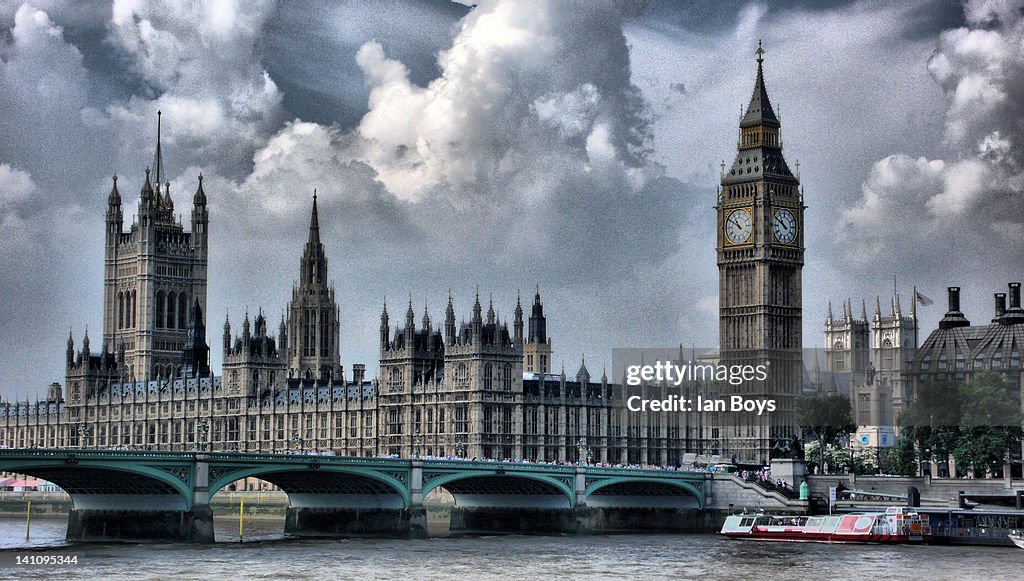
760 257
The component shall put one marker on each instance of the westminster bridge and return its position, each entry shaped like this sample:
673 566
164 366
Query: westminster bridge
151 495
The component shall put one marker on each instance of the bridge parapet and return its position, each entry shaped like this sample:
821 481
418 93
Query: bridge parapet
345 496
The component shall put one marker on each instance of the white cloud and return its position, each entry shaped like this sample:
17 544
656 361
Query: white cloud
200 64
15 185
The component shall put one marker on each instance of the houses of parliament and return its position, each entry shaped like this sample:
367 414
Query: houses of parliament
486 388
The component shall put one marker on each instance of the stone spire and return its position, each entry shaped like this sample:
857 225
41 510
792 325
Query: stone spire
449 321
385 329
314 224
760 108
410 321
227 332
517 324
538 323
314 258
158 158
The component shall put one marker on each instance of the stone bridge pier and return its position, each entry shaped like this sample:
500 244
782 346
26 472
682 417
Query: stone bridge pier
155 513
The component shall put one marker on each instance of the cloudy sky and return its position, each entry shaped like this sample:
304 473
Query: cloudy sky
570 145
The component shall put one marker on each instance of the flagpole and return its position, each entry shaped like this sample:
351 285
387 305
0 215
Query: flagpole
915 316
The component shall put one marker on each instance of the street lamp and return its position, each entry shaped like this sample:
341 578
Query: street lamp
460 449
204 428
417 441
296 441
83 434
584 451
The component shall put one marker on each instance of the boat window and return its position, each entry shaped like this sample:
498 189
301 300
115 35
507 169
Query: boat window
747 522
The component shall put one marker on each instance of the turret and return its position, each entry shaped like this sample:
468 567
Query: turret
583 375
200 216
538 323
385 330
517 324
246 332
168 202
146 203
70 355
227 334
410 323
282 335
449 321
115 214
196 354
477 321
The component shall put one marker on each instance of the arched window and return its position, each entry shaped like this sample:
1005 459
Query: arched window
160 309
172 302
488 376
120 310
887 354
182 311
462 377
506 378
839 355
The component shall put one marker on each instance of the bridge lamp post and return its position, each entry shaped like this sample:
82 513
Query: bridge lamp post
204 428
83 434
584 450
460 449
296 441
417 442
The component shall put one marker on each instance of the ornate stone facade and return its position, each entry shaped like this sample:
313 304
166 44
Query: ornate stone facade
760 213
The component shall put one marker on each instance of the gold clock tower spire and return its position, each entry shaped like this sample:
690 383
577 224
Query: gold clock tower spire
760 246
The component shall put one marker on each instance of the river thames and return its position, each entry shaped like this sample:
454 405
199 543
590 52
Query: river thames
266 555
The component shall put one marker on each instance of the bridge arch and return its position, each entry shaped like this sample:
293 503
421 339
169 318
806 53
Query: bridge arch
685 494
471 487
90 481
326 485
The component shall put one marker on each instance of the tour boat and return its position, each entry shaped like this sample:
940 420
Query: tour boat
895 525
1018 538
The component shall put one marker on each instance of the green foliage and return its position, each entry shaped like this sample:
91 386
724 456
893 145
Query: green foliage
828 420
976 422
900 459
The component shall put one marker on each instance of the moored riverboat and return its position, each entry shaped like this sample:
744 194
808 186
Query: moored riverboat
895 525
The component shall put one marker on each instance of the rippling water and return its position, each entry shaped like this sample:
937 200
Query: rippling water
266 555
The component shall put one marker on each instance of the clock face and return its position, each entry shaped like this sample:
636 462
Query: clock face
738 226
784 226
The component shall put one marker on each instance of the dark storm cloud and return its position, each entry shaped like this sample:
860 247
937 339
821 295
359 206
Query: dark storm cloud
310 57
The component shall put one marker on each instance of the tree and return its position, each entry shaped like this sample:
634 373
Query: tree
990 422
827 418
976 422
